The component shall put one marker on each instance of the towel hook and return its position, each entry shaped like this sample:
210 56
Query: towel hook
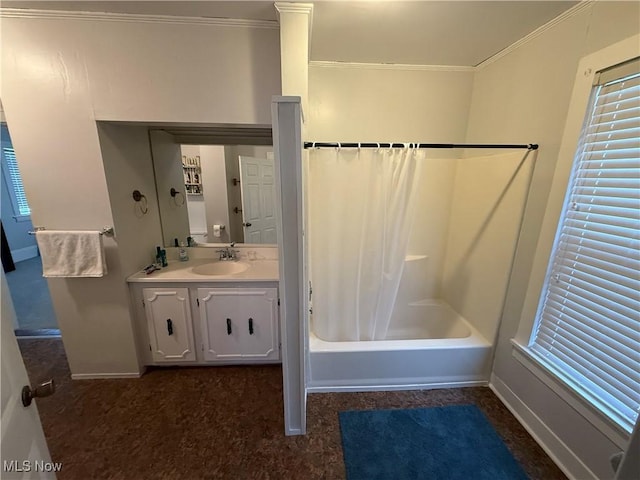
140 199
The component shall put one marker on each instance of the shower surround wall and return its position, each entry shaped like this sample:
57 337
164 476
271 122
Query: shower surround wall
488 198
468 213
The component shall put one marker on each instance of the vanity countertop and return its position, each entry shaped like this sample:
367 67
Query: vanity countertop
257 271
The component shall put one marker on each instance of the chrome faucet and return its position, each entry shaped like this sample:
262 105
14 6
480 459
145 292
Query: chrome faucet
228 253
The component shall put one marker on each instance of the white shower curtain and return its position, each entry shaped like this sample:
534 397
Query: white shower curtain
360 210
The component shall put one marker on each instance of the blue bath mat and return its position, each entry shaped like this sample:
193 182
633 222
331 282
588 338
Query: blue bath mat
455 442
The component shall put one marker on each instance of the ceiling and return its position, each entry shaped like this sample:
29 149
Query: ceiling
428 32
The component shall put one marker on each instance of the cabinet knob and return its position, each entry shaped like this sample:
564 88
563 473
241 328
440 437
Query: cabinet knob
251 326
169 326
228 326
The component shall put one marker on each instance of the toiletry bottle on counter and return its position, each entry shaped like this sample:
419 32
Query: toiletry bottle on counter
163 256
182 254
158 257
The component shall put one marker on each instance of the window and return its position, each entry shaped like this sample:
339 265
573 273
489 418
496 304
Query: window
13 180
587 330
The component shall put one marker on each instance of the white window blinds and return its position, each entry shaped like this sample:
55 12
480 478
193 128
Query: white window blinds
588 327
21 205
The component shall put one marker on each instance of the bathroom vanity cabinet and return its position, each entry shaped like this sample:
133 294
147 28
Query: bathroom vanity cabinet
201 324
183 322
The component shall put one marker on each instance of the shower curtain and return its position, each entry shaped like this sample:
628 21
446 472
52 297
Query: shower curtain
361 204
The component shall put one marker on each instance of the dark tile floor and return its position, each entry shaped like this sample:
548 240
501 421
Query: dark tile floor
219 423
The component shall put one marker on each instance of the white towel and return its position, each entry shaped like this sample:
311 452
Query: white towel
71 254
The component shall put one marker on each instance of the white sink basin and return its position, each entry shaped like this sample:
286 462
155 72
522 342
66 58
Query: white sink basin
220 268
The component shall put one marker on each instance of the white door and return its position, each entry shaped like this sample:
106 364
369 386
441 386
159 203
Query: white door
258 200
24 449
169 322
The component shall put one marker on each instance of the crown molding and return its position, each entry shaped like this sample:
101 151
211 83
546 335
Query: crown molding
391 66
300 8
135 18
289 7
537 32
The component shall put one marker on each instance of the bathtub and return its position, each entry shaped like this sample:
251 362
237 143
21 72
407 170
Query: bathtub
428 345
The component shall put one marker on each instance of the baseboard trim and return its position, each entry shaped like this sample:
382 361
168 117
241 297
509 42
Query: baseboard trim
391 388
558 451
34 333
103 376
20 254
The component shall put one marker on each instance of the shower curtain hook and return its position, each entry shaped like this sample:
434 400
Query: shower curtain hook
358 145
339 145
313 145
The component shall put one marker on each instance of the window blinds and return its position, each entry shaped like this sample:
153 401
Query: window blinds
16 181
588 327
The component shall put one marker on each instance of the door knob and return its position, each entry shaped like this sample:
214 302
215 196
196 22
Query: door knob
246 224
43 390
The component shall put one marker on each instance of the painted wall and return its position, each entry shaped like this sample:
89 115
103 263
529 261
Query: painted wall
55 87
382 105
524 97
6 302
128 167
215 184
167 161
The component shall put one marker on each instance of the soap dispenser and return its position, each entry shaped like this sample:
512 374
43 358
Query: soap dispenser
182 253
158 257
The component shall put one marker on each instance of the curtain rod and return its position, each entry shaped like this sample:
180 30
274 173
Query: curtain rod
530 146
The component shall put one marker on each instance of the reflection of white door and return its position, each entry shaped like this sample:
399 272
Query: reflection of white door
24 449
258 200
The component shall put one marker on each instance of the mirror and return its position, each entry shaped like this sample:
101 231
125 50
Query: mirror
214 193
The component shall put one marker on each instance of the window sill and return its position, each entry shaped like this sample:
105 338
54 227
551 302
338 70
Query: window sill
595 417
22 218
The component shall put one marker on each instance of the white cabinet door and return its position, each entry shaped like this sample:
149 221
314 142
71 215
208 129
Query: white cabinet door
169 322
239 323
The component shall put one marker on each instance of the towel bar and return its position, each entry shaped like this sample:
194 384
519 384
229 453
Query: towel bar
104 231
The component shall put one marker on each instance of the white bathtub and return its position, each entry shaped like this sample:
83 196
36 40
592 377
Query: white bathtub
428 346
